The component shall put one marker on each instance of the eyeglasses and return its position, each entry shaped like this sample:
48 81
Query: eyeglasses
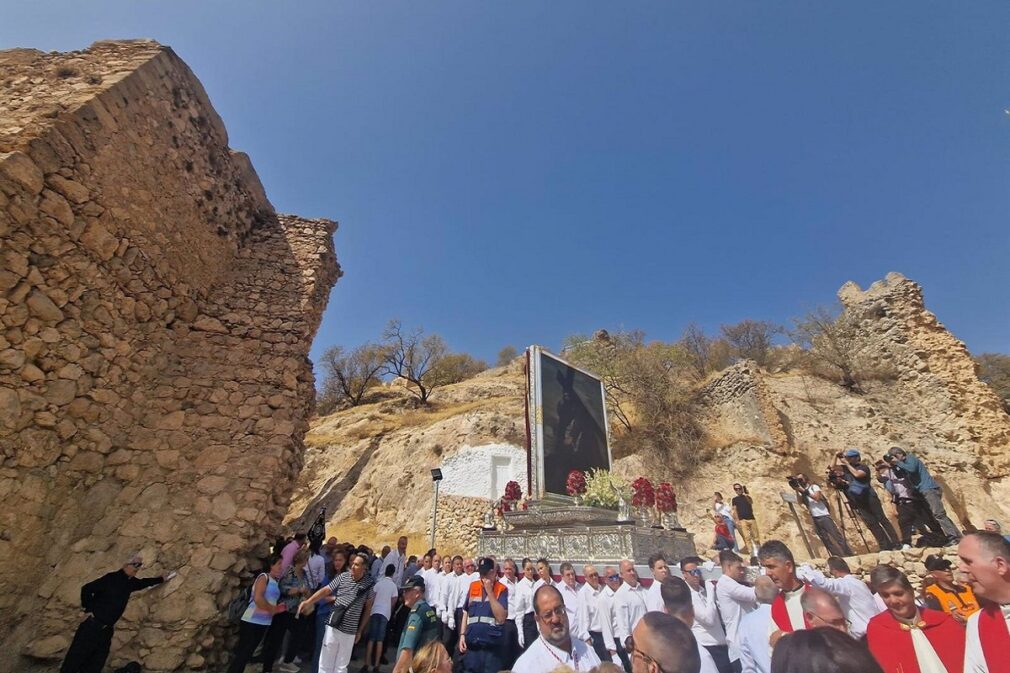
738 488
613 578
694 571
634 651
556 612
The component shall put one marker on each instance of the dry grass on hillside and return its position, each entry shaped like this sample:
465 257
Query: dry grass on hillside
374 422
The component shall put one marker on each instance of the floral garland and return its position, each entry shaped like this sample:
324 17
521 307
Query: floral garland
642 493
666 499
576 483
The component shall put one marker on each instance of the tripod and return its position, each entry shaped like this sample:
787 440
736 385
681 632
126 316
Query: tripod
843 507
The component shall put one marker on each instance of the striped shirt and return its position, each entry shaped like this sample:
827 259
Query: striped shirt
354 595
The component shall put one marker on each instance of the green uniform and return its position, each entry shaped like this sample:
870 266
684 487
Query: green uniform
421 628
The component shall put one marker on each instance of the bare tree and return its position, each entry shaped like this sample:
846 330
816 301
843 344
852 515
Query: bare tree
506 355
414 357
704 353
752 340
830 338
349 375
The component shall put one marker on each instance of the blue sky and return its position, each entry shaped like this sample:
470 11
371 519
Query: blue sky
513 172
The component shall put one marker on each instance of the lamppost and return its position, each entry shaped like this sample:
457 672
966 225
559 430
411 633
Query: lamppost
436 476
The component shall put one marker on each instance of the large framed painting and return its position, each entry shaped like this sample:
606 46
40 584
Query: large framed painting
566 423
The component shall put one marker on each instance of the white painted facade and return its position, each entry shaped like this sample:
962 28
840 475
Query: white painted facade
482 471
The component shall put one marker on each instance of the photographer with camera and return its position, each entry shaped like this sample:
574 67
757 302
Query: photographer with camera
851 476
924 483
913 512
824 525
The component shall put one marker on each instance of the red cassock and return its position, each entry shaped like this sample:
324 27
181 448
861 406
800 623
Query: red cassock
890 641
995 639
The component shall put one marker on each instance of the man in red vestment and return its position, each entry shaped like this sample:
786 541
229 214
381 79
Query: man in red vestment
905 639
787 612
985 564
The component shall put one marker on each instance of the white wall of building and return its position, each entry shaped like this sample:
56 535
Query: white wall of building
482 471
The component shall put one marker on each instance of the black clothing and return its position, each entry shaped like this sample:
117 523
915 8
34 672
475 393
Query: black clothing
866 504
510 650
89 649
599 646
744 508
107 596
249 636
530 630
105 599
720 655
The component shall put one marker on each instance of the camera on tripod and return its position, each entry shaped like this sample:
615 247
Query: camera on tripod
836 478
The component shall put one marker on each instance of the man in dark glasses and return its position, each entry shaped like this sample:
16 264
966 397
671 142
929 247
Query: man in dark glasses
104 601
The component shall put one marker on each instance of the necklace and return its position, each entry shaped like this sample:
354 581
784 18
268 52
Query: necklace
574 655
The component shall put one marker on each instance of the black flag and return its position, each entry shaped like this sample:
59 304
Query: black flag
318 531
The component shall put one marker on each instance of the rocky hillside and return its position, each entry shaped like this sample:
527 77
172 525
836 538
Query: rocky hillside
369 465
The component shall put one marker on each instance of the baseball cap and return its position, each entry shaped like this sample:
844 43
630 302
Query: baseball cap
486 564
414 582
851 453
937 562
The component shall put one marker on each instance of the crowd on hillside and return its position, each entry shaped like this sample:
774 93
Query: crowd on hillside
319 604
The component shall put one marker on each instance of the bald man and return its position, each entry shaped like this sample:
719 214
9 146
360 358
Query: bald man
755 650
663 644
821 609
985 564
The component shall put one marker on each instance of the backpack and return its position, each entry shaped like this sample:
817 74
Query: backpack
238 605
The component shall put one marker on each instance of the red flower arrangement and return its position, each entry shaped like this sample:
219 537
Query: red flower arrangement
513 491
666 499
642 493
576 484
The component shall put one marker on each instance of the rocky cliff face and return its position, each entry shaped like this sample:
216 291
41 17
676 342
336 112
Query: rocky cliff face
155 321
760 427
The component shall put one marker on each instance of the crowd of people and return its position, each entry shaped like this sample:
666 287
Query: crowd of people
318 605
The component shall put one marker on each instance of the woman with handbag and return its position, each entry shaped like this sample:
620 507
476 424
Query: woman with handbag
353 593
295 587
263 606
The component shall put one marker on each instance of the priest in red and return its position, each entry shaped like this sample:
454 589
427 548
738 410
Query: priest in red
907 639
787 612
985 564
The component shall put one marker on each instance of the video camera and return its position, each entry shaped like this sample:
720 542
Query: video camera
836 478
796 482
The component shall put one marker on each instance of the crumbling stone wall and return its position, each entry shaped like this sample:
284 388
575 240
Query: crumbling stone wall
155 321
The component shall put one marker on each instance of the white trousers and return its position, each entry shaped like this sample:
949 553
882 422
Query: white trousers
336 652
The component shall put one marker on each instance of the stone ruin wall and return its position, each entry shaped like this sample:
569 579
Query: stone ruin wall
936 375
155 321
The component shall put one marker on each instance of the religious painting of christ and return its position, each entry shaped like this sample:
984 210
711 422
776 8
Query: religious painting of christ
573 429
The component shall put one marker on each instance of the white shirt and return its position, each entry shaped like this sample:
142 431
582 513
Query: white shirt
398 562
734 600
725 510
654 597
376 568
385 593
316 568
974 658
707 627
571 598
817 508
449 598
524 591
542 657
540 582
589 611
755 649
605 605
853 596
629 608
